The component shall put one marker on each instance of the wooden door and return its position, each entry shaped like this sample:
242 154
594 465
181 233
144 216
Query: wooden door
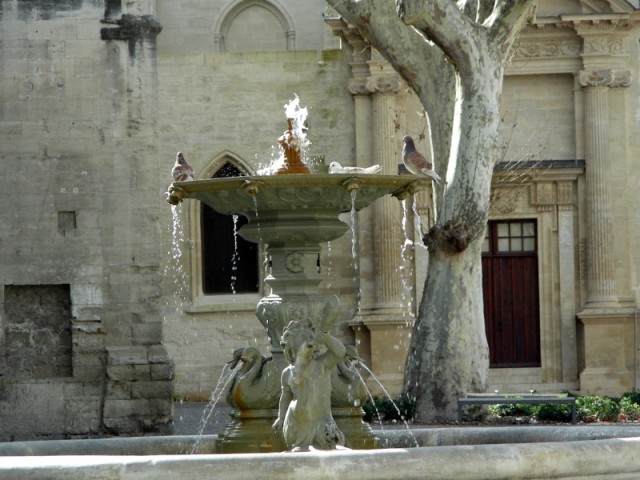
511 301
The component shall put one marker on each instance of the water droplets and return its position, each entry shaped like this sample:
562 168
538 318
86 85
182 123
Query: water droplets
298 116
386 393
174 270
221 386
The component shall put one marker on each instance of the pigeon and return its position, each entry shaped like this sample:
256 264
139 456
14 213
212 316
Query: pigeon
335 167
415 161
181 170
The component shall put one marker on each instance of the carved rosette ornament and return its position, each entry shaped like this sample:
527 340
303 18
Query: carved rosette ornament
293 262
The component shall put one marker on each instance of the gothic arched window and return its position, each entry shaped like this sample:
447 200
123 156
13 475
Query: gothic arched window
229 262
254 25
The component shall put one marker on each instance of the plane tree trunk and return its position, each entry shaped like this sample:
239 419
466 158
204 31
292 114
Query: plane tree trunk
453 55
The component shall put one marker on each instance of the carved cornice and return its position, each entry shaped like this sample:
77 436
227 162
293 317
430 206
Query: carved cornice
357 52
599 22
604 78
547 48
598 35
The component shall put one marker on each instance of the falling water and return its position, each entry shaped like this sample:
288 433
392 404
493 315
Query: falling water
174 269
354 248
416 216
216 395
235 258
329 264
405 266
266 262
386 393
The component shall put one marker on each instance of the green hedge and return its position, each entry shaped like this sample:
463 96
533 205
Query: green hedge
590 408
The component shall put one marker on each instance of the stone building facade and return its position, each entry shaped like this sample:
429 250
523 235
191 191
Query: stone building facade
107 313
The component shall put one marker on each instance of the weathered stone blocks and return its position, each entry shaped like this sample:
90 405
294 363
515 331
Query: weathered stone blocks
139 390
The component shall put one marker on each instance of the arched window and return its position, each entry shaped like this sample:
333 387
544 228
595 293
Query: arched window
254 25
229 262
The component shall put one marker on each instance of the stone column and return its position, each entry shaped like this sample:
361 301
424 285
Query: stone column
600 269
387 316
606 322
387 216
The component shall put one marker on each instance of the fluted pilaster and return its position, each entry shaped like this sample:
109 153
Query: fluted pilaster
600 269
387 212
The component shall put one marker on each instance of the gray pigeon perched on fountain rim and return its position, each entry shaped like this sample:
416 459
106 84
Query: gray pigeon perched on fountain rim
181 170
415 162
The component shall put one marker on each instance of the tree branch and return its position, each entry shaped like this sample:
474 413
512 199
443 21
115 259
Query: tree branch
419 62
444 23
507 19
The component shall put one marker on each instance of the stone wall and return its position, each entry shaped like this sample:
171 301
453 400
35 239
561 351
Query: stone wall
78 125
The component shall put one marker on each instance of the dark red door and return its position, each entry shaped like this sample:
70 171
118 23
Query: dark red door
511 302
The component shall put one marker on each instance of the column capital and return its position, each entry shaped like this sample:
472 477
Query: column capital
605 78
357 53
382 77
383 84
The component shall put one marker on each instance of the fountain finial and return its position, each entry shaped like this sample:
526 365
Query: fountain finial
290 145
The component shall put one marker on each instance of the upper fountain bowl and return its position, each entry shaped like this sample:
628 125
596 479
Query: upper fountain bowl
285 198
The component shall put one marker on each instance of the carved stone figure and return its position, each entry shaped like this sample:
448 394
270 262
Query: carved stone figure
305 402
348 387
256 384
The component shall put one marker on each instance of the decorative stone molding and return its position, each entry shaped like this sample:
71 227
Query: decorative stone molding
566 197
547 194
604 46
383 84
604 78
549 48
236 7
505 199
357 52
382 77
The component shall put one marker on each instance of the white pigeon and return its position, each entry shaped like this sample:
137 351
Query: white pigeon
415 162
181 170
335 167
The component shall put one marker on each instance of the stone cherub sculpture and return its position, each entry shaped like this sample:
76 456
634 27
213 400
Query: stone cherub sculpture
305 402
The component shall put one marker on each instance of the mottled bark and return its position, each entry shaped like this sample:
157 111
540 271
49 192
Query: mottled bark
448 355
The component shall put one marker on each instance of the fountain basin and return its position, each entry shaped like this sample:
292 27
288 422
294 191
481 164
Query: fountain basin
294 209
463 453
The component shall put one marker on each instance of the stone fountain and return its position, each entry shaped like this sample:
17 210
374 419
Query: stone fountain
294 212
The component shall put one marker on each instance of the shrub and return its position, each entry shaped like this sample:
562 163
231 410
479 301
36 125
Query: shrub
634 397
559 412
385 409
592 408
511 410
629 408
